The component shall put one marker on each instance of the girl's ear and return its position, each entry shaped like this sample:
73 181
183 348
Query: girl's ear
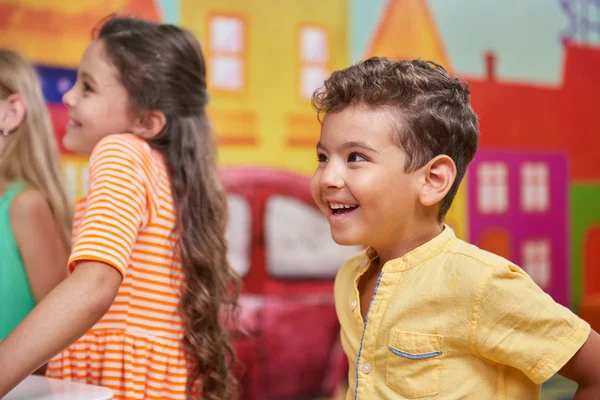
149 124
12 112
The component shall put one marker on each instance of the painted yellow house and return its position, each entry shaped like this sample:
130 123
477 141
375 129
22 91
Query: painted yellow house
264 60
407 30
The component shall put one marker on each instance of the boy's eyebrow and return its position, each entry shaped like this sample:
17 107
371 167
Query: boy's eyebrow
358 144
351 145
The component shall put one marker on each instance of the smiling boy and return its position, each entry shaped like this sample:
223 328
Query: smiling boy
424 314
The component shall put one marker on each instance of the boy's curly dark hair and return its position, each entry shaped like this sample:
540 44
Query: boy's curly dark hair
432 108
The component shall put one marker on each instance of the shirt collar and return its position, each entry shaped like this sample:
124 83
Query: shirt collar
414 257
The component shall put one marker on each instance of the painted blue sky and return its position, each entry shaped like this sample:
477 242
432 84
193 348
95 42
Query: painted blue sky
525 35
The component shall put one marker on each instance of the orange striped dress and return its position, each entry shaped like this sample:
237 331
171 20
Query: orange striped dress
126 221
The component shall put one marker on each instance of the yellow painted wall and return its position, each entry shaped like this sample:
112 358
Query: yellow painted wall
270 105
457 216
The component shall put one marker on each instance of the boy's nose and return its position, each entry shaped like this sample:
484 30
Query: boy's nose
332 178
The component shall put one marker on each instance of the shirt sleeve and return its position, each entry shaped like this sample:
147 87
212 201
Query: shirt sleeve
517 324
115 207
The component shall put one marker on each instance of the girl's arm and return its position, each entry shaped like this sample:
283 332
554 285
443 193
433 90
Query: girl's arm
63 316
39 241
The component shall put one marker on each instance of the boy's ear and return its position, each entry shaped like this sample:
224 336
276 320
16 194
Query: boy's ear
439 175
149 124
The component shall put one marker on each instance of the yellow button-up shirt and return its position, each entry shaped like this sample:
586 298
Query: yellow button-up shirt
451 321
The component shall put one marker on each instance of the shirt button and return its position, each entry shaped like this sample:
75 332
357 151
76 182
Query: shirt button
353 304
366 368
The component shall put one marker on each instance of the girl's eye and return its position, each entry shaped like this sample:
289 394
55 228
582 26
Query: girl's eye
355 157
87 87
321 158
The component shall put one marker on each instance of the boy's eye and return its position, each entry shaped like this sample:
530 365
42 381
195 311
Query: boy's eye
355 157
321 158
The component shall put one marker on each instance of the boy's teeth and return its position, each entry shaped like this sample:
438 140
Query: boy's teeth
339 206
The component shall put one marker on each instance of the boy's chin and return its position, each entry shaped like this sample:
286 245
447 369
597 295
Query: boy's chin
346 239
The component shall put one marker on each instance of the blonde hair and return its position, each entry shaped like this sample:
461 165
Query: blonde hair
31 153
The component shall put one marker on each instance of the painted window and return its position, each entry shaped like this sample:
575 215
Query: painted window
492 196
314 59
535 187
238 234
536 259
227 53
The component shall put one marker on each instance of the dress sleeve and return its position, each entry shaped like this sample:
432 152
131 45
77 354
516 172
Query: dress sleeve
115 207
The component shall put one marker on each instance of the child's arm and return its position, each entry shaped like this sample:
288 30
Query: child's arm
518 325
39 241
584 368
63 316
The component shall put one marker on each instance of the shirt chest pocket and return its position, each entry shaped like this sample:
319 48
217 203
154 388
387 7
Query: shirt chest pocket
414 363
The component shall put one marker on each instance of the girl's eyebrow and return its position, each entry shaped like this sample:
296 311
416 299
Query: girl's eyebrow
87 76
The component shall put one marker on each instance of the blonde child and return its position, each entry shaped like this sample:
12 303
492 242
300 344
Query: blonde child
423 314
35 217
149 274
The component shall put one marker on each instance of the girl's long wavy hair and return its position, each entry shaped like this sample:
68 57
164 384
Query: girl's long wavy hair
31 153
162 68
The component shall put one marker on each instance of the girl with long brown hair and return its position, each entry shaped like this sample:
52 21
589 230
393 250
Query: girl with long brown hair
149 273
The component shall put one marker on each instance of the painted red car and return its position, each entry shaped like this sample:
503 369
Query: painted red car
281 245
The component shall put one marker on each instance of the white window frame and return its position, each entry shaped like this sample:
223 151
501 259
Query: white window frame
239 233
314 55
535 187
227 41
492 187
536 258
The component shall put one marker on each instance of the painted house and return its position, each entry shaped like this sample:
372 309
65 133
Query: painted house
545 120
519 210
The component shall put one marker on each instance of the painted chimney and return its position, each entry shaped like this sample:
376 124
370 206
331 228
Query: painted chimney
490 65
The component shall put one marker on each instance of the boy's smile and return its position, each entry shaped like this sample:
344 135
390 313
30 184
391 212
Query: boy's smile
340 210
